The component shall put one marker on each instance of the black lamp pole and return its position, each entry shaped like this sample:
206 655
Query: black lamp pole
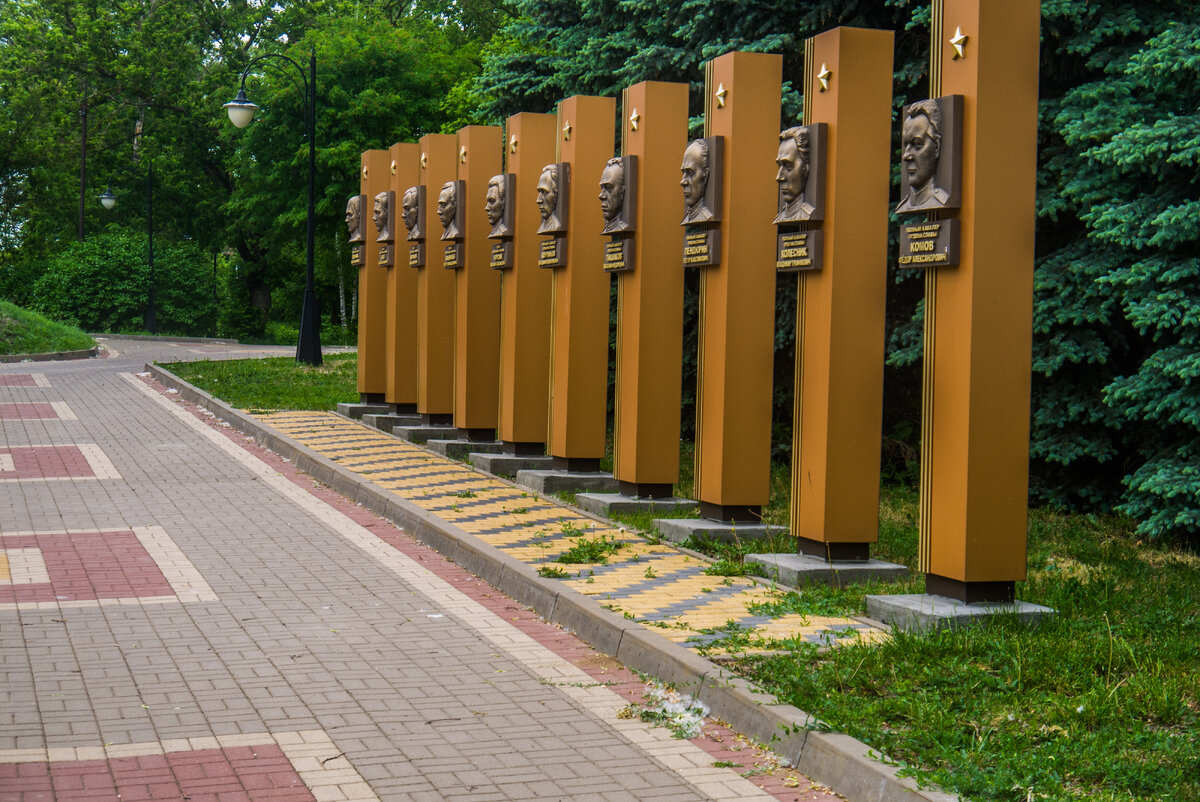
241 110
109 200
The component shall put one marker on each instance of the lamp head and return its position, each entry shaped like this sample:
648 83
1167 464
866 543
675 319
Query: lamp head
108 200
241 110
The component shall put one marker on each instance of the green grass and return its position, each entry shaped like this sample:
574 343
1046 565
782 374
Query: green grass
25 332
1101 702
276 383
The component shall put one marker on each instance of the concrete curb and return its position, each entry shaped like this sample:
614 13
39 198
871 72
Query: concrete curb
53 356
845 764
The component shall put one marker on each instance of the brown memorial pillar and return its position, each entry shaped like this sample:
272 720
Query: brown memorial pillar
435 287
477 289
978 318
737 296
374 178
579 312
402 287
840 300
525 293
650 295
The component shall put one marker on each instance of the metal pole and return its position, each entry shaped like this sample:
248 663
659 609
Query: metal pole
308 350
151 324
82 162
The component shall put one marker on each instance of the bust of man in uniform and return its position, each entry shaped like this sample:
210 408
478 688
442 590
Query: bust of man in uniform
612 196
792 176
921 145
447 210
412 213
694 181
382 216
495 204
354 218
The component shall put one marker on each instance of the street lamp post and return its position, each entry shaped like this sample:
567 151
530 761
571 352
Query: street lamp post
108 200
241 111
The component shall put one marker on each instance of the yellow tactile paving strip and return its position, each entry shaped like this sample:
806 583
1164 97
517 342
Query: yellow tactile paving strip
652 583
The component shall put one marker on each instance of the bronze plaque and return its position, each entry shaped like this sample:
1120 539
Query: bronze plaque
414 214
502 255
618 254
931 155
385 255
798 250
453 257
499 206
451 212
703 174
618 195
701 247
416 254
801 174
552 196
356 223
358 255
553 252
931 244
381 215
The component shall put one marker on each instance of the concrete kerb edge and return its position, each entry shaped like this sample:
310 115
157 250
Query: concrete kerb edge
52 356
843 763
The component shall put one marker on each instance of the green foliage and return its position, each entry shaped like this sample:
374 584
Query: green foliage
589 550
279 383
25 332
102 285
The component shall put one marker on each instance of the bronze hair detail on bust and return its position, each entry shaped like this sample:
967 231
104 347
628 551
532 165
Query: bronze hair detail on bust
552 198
499 210
382 216
354 218
930 155
801 174
701 181
618 193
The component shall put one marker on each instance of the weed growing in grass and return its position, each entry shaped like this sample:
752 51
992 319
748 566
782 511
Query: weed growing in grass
465 494
591 550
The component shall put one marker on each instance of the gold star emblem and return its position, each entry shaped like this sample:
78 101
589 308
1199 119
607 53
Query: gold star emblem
422 161
721 93
364 171
823 76
462 154
393 166
512 144
633 119
567 130
958 41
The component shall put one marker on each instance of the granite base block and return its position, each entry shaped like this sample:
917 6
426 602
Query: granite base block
678 530
549 481
423 434
460 449
504 464
796 570
920 611
606 504
386 422
358 410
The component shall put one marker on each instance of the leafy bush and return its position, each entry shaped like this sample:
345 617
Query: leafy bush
102 284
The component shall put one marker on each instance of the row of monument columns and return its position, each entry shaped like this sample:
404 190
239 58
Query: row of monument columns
485 282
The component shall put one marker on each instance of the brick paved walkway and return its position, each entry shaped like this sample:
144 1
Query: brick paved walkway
183 615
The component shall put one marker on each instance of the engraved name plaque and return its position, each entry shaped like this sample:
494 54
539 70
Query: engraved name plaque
932 244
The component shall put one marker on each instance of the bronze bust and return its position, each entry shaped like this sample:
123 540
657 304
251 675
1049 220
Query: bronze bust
354 218
496 206
549 200
921 148
792 177
447 210
695 171
612 196
382 216
412 213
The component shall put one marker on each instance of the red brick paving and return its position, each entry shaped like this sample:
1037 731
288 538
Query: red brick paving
207 775
45 462
18 380
107 565
27 411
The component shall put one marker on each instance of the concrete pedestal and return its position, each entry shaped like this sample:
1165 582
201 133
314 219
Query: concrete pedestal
921 611
385 423
506 464
678 530
797 570
358 410
461 449
550 481
607 504
422 433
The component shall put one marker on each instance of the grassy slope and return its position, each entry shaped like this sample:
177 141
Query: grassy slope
25 332
276 383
